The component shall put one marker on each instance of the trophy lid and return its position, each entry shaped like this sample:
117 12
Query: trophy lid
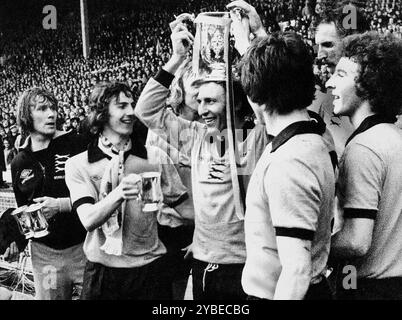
34 207
217 18
19 210
151 174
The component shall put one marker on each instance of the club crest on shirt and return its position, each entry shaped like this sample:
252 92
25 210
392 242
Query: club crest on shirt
60 162
26 175
216 170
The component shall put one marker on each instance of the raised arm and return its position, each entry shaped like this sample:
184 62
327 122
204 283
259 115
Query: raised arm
150 108
245 22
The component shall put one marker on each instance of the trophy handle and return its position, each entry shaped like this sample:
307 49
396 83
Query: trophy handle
239 193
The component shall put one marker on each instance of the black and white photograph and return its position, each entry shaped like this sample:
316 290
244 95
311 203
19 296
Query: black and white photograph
207 155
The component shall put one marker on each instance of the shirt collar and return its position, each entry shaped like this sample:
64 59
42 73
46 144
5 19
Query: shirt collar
28 140
27 144
315 126
369 122
96 154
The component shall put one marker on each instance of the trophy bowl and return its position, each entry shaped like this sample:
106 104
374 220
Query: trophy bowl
151 193
39 223
211 44
24 221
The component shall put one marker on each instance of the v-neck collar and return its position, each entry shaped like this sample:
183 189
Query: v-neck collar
301 127
96 154
370 122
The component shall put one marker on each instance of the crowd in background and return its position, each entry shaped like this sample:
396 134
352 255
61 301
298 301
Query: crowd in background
129 41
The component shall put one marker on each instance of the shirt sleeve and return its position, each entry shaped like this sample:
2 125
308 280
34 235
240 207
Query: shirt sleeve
294 194
360 179
79 183
20 198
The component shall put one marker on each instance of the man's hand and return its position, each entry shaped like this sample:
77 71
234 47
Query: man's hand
180 18
189 251
182 40
130 186
240 29
256 27
12 253
51 206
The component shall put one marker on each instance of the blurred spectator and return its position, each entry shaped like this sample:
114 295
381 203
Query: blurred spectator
129 42
9 152
12 135
75 124
3 168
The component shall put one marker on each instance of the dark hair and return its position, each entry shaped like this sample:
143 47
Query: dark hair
27 100
333 12
241 105
380 69
99 100
278 71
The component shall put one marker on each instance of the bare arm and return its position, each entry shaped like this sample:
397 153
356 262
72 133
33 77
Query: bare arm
92 216
354 240
150 108
359 189
84 194
295 257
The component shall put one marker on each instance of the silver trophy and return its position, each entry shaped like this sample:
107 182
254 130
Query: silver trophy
151 193
31 221
24 221
39 223
211 45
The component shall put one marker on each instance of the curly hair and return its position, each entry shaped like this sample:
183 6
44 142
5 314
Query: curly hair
28 100
99 100
333 12
177 91
278 71
379 79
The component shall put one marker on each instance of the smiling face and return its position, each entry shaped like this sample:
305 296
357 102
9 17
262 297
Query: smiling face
121 116
343 85
44 115
211 105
